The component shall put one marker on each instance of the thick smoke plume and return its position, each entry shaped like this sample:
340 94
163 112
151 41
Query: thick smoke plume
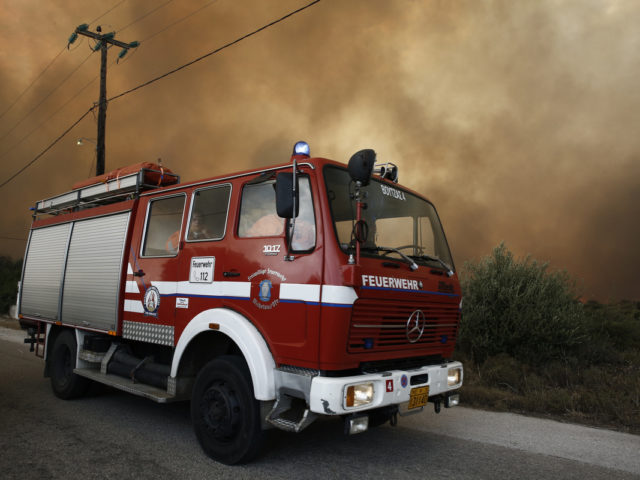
517 119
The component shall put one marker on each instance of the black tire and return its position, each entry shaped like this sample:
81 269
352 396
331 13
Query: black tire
224 412
64 382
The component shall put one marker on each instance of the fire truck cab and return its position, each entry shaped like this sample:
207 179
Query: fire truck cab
267 297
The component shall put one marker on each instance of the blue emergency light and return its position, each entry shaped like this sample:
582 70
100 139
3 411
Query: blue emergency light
301 148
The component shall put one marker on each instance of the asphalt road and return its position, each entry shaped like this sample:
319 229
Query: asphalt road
113 435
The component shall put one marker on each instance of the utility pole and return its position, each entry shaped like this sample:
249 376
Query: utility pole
104 40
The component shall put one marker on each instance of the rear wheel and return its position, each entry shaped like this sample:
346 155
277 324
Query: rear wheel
225 414
64 382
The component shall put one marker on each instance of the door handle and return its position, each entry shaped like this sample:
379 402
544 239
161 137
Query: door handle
139 273
230 274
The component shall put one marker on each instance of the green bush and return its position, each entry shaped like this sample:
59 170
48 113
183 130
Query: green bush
616 326
528 345
520 308
10 272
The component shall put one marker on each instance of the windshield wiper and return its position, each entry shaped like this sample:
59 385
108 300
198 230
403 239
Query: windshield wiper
436 259
409 258
412 265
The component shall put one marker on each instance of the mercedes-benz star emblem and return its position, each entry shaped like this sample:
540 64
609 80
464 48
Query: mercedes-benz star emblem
415 326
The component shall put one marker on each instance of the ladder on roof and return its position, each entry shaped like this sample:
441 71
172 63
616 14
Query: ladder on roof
104 192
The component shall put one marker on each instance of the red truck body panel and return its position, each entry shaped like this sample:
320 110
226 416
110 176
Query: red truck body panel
300 329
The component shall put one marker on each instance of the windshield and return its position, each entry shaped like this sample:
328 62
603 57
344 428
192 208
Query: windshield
395 219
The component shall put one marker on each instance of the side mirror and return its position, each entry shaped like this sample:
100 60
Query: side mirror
361 166
285 195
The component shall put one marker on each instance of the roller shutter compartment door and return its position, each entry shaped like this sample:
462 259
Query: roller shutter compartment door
40 291
92 279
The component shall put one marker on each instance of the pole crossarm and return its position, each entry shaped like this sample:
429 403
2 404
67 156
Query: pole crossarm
106 37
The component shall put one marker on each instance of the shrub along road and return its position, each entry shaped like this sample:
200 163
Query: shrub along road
110 434
534 347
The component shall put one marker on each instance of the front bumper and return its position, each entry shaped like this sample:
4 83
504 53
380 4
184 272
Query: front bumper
328 394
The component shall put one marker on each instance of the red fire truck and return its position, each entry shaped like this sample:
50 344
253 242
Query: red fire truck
268 298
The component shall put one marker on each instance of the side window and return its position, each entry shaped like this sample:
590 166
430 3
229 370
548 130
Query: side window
209 213
258 217
304 234
164 220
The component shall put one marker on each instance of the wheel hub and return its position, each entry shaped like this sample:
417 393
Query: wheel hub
221 411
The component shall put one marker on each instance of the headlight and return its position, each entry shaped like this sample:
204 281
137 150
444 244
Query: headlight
454 376
359 395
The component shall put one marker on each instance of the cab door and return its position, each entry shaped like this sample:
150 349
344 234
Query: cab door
204 281
285 280
152 271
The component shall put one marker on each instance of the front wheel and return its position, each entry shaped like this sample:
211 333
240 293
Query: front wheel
64 383
225 414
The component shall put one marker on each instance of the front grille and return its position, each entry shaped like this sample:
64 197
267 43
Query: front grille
381 326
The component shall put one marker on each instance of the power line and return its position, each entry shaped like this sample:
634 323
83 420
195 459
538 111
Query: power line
167 27
108 11
83 88
213 52
178 21
16 125
51 63
146 15
46 121
47 149
32 82
45 98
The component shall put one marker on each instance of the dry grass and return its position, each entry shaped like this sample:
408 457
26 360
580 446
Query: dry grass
604 396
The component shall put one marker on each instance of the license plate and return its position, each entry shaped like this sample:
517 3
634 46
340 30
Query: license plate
418 397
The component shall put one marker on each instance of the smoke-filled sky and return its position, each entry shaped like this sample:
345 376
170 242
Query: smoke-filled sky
519 120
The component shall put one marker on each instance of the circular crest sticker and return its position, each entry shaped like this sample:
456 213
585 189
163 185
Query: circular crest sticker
151 301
